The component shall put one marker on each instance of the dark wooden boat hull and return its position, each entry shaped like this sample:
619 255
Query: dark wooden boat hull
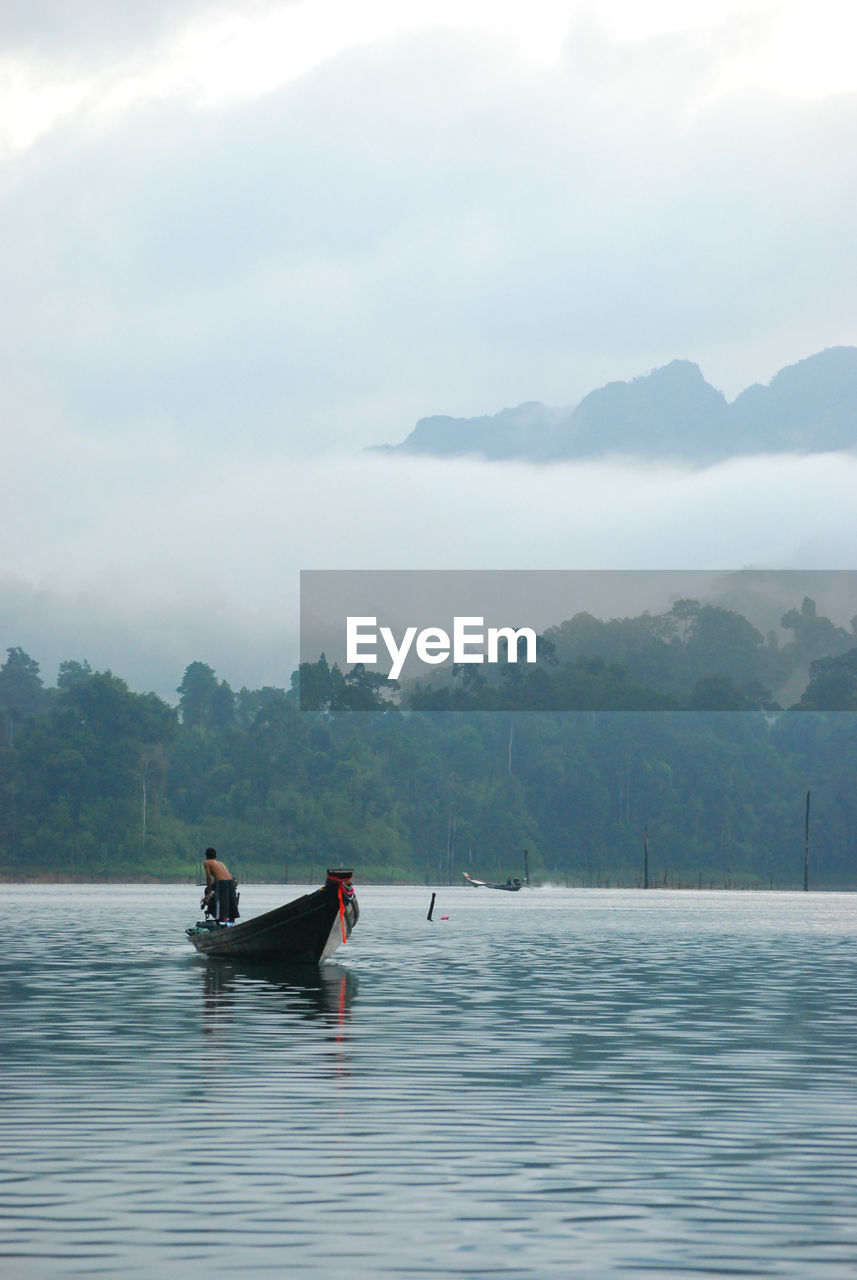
305 931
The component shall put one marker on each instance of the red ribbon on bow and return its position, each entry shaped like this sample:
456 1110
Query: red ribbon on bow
342 911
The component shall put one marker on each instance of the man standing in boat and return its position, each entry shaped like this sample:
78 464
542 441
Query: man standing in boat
219 878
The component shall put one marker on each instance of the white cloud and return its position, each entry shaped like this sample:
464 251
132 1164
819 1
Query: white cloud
334 261
101 59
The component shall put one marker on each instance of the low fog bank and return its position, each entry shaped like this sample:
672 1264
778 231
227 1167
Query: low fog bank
146 640
201 563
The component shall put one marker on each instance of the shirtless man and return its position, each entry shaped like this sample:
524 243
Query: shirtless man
218 877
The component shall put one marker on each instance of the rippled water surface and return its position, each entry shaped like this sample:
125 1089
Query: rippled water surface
550 1083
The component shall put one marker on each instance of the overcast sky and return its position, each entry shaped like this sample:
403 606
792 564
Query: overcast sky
242 242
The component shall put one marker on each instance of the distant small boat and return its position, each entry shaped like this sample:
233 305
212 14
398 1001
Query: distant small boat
305 931
512 885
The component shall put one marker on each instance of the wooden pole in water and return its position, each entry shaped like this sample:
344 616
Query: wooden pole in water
646 858
431 906
806 846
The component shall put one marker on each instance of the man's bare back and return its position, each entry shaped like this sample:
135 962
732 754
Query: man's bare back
220 889
216 870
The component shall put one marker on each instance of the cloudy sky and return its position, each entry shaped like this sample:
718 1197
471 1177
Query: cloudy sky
243 241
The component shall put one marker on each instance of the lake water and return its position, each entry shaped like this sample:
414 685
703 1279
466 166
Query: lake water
557 1082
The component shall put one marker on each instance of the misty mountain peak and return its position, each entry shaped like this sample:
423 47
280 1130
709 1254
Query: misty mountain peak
522 431
657 413
670 411
808 406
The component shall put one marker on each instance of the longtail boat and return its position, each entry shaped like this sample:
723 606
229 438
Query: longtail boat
512 885
305 931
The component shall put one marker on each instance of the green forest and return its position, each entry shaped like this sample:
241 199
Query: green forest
688 733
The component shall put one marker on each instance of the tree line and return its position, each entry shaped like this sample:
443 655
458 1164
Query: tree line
99 781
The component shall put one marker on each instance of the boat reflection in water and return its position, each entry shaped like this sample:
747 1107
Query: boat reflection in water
302 992
308 990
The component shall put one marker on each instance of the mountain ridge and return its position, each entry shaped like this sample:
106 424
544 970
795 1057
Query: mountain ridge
669 412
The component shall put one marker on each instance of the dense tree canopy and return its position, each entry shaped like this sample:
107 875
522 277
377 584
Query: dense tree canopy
98 780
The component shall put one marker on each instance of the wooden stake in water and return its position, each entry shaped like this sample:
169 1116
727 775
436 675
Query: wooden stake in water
431 906
806 846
